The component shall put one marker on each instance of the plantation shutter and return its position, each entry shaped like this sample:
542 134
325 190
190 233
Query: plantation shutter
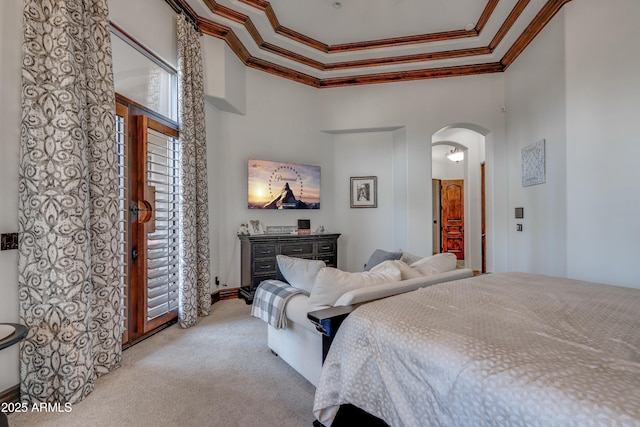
123 210
162 240
155 206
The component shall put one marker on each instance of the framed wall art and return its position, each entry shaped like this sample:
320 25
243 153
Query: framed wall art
279 185
533 166
364 192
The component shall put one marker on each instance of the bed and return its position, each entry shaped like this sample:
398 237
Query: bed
508 349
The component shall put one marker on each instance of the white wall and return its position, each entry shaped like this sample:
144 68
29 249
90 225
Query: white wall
281 123
363 229
535 110
603 131
10 84
420 109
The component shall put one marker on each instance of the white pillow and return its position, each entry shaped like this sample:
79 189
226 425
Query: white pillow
332 283
299 272
406 271
439 263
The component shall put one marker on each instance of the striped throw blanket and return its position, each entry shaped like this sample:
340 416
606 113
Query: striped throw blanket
270 300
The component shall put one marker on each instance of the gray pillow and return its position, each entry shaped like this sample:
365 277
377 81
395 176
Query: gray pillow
410 258
379 256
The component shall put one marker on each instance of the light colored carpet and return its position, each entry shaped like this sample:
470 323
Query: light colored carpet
218 373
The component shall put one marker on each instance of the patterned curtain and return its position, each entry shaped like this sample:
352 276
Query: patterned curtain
195 293
69 292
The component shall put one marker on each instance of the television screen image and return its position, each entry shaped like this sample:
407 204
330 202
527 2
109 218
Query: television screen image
278 185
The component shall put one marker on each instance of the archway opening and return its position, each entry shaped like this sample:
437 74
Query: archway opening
457 189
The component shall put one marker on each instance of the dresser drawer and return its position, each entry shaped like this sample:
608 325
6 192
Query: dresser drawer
264 267
330 260
326 246
296 249
264 251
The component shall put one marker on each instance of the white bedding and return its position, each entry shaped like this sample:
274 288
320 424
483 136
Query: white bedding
509 349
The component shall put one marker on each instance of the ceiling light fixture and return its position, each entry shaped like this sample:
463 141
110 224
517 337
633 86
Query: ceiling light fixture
455 155
336 5
470 26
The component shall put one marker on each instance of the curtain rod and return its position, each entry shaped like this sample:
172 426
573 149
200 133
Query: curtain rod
181 7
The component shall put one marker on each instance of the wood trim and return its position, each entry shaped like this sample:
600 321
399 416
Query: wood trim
402 41
11 395
224 294
543 17
433 73
486 14
265 7
226 33
406 59
140 109
508 23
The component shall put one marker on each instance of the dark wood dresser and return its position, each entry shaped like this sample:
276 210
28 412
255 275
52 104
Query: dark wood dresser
258 256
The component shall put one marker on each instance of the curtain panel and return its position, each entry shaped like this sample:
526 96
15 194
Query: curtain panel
195 292
69 292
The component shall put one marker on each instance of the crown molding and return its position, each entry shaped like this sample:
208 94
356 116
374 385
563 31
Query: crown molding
215 29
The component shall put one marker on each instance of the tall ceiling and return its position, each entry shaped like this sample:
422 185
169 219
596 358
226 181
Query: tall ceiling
329 43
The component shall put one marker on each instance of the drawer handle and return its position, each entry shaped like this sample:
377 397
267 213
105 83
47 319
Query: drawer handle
265 252
265 267
297 250
326 247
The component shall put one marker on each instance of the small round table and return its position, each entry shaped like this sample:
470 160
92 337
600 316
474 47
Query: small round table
18 335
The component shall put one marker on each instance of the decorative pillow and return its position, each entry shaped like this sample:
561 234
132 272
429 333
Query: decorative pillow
379 256
409 258
299 272
406 272
332 283
439 263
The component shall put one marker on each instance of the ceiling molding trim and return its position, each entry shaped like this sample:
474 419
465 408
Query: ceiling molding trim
227 34
486 14
508 23
266 7
543 17
403 76
421 57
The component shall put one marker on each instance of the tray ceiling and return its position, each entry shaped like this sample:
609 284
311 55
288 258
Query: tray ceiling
329 43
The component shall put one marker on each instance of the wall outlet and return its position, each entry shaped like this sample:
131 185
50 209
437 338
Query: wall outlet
8 241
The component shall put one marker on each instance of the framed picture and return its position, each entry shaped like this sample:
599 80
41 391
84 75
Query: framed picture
364 192
255 227
533 164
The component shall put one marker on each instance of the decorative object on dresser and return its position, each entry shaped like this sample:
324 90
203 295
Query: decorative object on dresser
304 226
258 256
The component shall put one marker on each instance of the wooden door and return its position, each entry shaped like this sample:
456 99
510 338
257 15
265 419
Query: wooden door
149 207
452 196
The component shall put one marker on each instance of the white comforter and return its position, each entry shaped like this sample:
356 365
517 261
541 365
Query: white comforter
508 349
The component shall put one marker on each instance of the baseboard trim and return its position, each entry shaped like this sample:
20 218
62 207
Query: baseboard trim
223 294
11 395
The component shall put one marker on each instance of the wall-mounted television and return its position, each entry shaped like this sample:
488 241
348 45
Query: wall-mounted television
279 185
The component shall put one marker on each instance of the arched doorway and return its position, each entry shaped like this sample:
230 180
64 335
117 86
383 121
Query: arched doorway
463 178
